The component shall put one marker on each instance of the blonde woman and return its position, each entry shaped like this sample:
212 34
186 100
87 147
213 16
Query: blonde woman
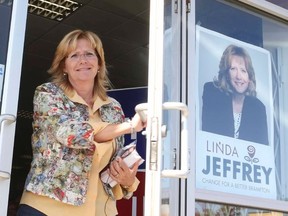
76 130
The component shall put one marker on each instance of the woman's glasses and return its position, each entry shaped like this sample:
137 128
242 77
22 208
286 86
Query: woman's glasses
77 56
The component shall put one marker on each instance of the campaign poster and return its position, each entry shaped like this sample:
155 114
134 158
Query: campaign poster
234 116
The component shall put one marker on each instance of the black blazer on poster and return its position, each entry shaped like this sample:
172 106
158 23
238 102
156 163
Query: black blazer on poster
217 115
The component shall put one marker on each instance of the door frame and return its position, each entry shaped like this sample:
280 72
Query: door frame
155 106
10 95
154 110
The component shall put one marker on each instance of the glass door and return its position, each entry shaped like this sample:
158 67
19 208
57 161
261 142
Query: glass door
14 16
167 148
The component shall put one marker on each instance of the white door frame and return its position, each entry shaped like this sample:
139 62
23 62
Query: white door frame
10 97
155 107
189 35
154 113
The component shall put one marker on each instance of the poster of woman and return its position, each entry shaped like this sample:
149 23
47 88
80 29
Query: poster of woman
234 116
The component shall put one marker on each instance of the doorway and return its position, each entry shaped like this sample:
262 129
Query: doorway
123 27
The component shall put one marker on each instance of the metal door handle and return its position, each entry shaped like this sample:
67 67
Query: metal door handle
183 172
141 109
9 119
4 175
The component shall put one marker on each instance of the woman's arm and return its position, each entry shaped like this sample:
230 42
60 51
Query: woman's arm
114 130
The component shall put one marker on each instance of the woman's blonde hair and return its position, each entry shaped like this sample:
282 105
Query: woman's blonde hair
223 81
65 47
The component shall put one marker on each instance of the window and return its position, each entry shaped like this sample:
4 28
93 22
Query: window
266 42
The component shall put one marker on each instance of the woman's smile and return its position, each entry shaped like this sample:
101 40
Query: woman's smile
239 78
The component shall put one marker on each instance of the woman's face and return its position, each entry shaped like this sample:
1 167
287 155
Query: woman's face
82 65
239 78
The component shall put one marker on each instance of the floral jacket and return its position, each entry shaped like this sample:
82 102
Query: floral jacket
63 146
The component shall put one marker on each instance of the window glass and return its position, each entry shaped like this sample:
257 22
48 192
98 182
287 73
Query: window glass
204 208
242 108
5 16
171 93
280 3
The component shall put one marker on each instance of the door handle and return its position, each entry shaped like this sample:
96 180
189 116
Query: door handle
4 175
184 170
9 119
141 109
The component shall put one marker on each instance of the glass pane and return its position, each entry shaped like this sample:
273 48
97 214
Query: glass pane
171 89
280 3
5 16
209 209
248 156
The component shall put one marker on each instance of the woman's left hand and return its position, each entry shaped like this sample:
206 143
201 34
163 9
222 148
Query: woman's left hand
121 173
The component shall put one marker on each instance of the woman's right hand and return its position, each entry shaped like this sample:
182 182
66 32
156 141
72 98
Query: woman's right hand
114 130
137 123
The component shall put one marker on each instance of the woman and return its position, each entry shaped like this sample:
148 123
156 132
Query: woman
76 130
230 106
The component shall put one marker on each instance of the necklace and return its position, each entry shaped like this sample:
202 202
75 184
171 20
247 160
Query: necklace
237 122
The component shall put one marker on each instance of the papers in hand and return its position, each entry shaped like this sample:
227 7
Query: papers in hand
129 155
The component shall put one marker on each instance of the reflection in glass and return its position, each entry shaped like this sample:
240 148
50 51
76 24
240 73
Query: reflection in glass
6 2
280 3
212 209
171 92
